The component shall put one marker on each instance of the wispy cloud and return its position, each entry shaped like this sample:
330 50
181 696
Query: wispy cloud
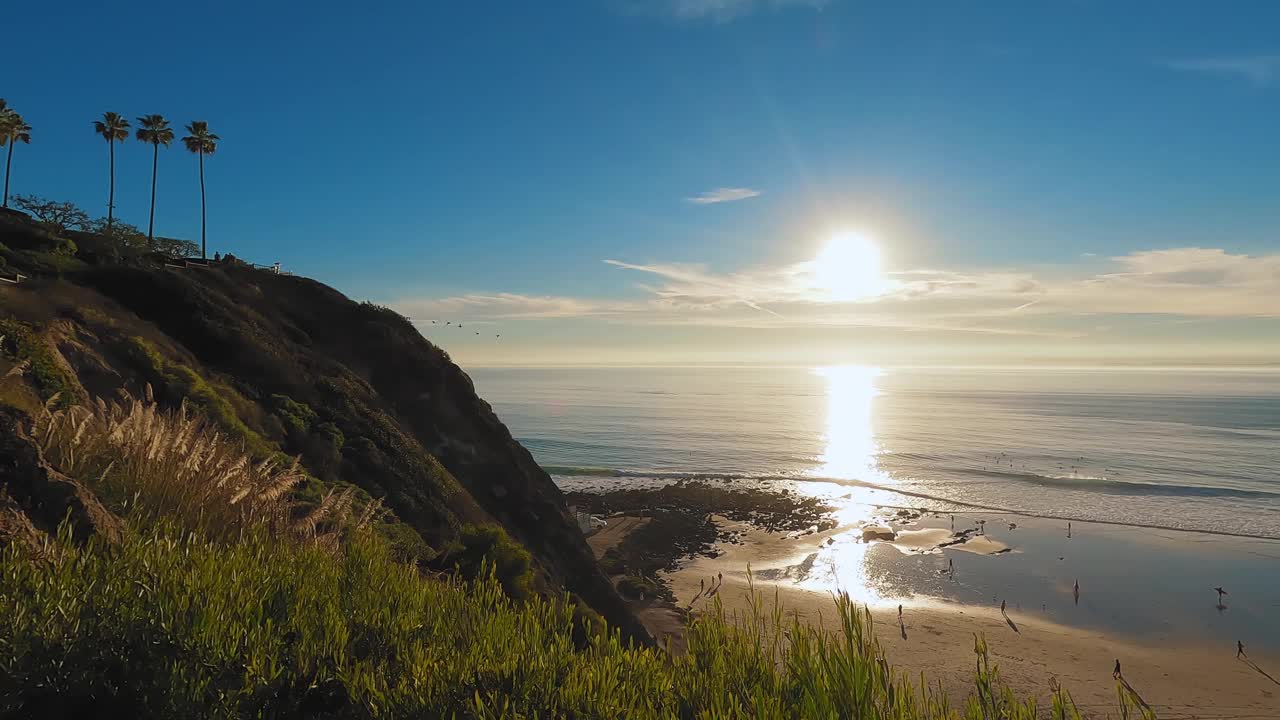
1203 283
717 10
1261 70
723 195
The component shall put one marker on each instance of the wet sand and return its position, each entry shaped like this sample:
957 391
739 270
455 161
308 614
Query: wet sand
1146 600
1180 679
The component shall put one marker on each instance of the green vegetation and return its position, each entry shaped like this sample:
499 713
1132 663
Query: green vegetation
24 345
383 312
168 625
641 587
55 216
482 547
54 261
104 237
180 382
297 417
154 466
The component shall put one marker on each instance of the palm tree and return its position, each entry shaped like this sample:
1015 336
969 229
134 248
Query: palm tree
112 127
13 129
154 129
202 142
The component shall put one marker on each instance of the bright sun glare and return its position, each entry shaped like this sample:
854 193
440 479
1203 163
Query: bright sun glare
848 268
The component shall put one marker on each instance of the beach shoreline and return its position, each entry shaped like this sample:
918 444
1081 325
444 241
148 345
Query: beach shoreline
936 638
1182 674
937 642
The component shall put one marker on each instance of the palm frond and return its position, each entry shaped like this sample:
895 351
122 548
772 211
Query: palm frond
112 127
13 127
200 140
154 129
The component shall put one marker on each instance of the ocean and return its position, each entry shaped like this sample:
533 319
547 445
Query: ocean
1178 449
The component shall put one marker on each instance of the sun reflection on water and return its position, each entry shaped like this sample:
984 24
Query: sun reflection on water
850 453
851 447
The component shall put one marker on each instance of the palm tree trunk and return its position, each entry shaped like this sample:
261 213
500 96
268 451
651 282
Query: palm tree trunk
203 254
8 162
151 223
111 193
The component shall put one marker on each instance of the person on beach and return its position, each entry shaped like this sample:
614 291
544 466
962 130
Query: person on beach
1240 650
1116 673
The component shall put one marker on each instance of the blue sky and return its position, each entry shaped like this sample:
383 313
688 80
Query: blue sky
481 161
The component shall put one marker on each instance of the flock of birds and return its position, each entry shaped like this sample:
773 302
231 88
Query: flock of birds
449 323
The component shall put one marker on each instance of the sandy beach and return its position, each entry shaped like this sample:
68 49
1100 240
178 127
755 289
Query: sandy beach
1182 678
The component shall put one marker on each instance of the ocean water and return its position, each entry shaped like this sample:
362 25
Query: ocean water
1184 450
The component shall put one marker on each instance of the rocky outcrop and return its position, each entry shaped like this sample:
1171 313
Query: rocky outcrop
878 532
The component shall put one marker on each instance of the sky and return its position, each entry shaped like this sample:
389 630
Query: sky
662 181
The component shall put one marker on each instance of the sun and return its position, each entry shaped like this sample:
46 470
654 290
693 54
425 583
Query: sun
848 268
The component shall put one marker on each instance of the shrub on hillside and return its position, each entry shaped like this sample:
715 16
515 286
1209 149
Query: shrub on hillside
56 217
177 382
23 344
322 450
638 587
175 248
123 241
483 546
297 417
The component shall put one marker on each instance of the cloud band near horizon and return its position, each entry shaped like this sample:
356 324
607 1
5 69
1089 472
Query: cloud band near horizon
1208 283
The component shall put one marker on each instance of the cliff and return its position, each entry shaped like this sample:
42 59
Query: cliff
288 365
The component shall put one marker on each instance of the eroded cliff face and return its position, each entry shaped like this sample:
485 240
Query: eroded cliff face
288 364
